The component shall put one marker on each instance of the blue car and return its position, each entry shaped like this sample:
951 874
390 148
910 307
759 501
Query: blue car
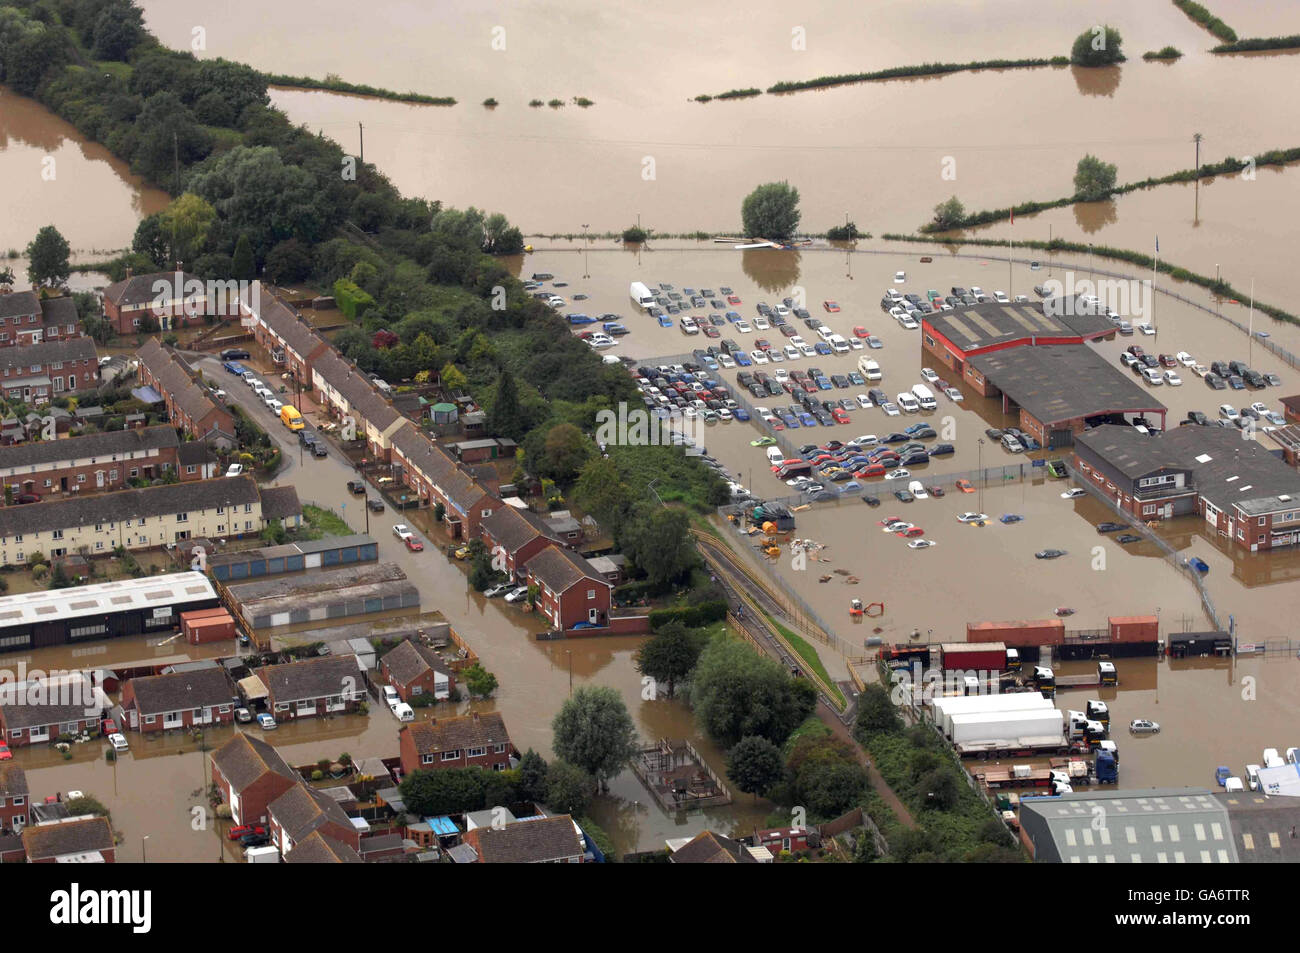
740 413
790 422
581 319
807 420
733 316
742 359
823 383
1010 518
821 347
665 321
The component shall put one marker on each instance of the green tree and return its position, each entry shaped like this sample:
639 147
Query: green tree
735 693
152 240
288 262
243 265
824 775
876 712
658 542
949 214
600 491
48 256
1097 46
444 791
481 573
117 31
940 788
564 450
186 222
479 681
594 731
669 655
569 789
505 418
532 776
1093 179
771 211
453 381
754 764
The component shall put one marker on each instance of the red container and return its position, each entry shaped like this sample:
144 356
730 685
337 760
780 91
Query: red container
212 625
1134 628
976 657
1018 634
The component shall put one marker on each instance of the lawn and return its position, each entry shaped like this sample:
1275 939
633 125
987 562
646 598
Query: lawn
321 522
811 659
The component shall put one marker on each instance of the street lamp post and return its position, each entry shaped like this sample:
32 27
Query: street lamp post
144 856
570 659
980 451
585 273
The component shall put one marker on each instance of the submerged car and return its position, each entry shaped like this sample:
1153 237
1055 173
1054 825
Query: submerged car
1128 538
1049 553
1074 494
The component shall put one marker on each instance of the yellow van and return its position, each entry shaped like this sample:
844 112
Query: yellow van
290 417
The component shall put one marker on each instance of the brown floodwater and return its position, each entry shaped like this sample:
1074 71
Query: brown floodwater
54 176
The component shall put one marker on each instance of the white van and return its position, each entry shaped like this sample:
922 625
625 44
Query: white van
924 397
838 344
639 293
404 712
907 403
775 455
869 369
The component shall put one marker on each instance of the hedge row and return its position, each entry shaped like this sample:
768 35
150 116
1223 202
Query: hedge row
1220 288
335 85
1260 43
1205 18
920 69
693 617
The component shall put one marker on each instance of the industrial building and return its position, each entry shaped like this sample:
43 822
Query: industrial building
954 337
293 557
361 590
1060 391
1243 491
105 610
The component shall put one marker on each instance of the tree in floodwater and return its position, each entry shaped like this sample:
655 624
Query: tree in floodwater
1097 46
771 211
1093 179
48 256
594 731
949 214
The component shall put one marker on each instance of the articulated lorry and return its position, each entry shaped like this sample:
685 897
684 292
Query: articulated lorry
1062 774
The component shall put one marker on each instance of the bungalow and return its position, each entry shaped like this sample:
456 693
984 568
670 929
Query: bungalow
474 740
569 591
71 841
310 687
777 839
413 669
515 536
302 811
539 840
15 801
316 848
707 847
39 711
179 700
250 774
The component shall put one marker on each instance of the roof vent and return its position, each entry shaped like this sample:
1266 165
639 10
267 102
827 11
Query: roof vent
1284 498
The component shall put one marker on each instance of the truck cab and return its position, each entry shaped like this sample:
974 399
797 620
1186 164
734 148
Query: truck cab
1106 673
1098 711
1252 776
1013 661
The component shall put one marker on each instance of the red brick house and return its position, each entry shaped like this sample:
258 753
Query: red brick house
189 404
174 299
74 840
413 669
28 716
15 800
250 774
26 318
1291 409
519 534
319 849
777 839
541 840
332 684
473 740
292 343
158 703
36 373
98 461
302 811
569 591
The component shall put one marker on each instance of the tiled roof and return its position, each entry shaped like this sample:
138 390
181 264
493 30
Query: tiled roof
710 848
449 734
158 694
409 661
512 528
316 848
364 402
19 304
13 780
244 759
59 311
302 810
139 289
99 446
279 502
534 841
559 569
170 498
286 324
20 359
311 678
67 837
176 378
439 468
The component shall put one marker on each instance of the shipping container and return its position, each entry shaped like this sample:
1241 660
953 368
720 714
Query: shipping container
979 657
207 625
1018 634
1134 628
1008 726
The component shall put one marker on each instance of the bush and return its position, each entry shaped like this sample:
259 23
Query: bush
693 617
635 234
1097 46
317 775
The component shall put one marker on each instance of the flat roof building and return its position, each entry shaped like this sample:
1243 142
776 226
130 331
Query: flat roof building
360 590
953 337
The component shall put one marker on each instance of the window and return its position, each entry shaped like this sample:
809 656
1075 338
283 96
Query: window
1261 521
81 478
499 749
190 468
476 752
451 755
591 593
150 719
182 517
426 759
1148 510
135 472
56 534
248 507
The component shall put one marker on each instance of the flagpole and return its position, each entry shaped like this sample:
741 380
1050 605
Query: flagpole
1011 290
1250 332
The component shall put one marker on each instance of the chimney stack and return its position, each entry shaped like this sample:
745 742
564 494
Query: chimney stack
129 271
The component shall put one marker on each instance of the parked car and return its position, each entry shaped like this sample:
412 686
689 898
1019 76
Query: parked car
1109 527
356 486
1142 726
118 741
517 594
235 833
403 532
266 721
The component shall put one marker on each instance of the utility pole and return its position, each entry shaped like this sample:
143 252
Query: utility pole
362 130
176 173
1196 138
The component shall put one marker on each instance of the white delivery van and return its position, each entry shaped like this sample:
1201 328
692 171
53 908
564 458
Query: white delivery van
404 712
869 369
924 397
270 854
639 293
907 403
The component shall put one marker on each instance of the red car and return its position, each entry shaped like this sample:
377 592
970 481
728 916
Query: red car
831 306
860 332
1167 360
733 299
870 470
839 416
912 533
414 545
237 832
711 332
5 753
109 726
28 498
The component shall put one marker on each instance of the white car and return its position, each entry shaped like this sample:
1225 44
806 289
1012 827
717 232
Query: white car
971 518
897 526
762 323
1152 376
781 311
1260 408
726 360
890 408
1074 494
1228 412
1001 297
898 474
867 440
235 469
724 415
1185 359
908 403
253 382
118 741
1200 370
900 277
953 394
856 344
977 291
807 350
917 489
780 375
775 356
391 697
517 594
555 301
929 375
908 323
274 406
825 333
266 721
743 327
1172 378
403 532
1146 329
792 353
863 401
758 357
920 544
